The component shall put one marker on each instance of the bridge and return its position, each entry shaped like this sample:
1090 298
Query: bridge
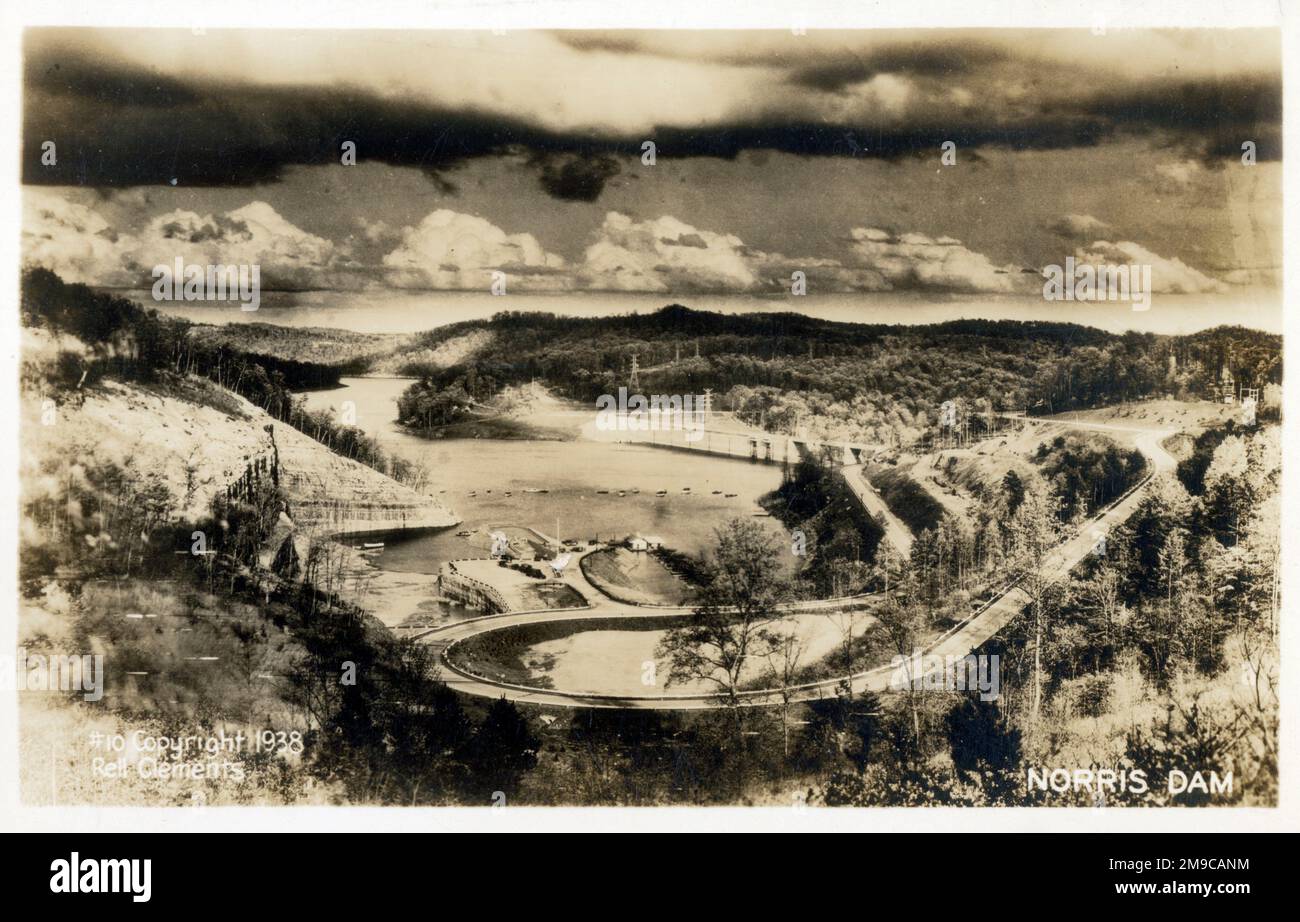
849 459
765 447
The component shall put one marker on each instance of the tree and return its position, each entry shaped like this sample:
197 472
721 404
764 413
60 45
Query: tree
841 730
783 660
1034 531
903 617
503 749
737 602
847 621
286 563
1188 738
1103 594
1228 490
1014 488
887 569
981 740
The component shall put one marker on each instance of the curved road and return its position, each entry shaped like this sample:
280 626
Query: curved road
958 642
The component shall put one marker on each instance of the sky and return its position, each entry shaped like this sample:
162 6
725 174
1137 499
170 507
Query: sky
525 153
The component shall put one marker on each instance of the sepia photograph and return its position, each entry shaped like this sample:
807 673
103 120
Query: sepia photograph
797 417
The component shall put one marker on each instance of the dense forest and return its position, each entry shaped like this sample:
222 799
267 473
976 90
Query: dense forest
869 382
839 538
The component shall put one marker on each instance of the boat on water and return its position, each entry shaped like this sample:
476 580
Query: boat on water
731 495
373 546
463 534
661 492
717 492
602 491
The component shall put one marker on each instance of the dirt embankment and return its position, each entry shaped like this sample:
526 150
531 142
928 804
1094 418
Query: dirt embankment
200 438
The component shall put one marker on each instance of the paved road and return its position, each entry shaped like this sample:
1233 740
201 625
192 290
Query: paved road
899 535
442 638
964 638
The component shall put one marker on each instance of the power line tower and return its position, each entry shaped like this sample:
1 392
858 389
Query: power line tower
634 383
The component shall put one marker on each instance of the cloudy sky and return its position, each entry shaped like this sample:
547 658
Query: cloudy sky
774 152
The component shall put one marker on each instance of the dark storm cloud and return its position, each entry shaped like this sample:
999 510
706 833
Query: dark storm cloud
820 140
914 58
614 42
575 177
118 125
1212 116
126 84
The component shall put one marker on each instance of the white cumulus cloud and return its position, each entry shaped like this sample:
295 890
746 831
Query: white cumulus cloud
1169 275
1079 226
255 234
665 254
76 241
71 239
914 260
448 249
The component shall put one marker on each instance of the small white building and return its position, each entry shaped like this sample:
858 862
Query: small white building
653 542
637 543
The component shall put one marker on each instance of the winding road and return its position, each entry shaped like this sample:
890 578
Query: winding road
961 640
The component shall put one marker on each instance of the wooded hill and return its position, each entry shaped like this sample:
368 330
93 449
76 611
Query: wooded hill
873 381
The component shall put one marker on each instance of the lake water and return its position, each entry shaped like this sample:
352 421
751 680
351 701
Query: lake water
464 470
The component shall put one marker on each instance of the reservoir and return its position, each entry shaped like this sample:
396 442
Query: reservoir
494 482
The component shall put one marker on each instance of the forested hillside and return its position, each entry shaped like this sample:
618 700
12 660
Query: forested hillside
872 382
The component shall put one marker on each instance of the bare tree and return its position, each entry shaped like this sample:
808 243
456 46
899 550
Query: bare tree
903 617
784 658
739 598
1104 593
847 621
1034 532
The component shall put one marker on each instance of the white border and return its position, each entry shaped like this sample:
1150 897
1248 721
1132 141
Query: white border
679 14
